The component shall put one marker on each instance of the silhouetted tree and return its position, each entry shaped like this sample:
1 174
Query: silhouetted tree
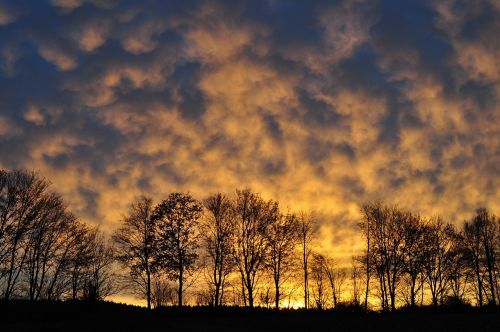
218 238
413 254
177 242
23 196
135 244
282 237
48 243
336 278
80 258
480 242
319 279
252 219
99 279
489 232
436 252
307 229
457 274
473 249
387 230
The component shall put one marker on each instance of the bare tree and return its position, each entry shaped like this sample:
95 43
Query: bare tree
387 229
436 249
177 220
480 242
473 247
356 275
489 230
49 242
282 237
457 274
253 216
336 278
319 279
218 238
99 279
413 255
163 292
22 198
307 229
135 245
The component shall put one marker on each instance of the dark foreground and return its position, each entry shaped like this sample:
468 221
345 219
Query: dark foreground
80 316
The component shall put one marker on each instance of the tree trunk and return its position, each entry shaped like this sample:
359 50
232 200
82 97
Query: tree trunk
148 287
180 288
277 295
367 264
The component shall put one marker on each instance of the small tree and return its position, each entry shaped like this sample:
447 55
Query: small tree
253 216
177 243
282 237
217 235
135 244
307 229
99 279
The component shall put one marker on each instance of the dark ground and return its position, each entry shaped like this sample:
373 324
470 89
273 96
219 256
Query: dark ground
81 316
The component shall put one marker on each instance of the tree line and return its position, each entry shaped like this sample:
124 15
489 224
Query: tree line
45 251
238 249
409 257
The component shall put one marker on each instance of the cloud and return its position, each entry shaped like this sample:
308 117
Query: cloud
7 16
323 105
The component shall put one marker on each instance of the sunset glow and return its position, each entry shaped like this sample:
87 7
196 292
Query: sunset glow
321 105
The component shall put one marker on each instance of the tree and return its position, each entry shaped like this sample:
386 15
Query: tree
253 215
319 279
307 229
413 254
489 230
49 243
336 278
386 227
99 279
218 237
472 245
282 238
480 238
135 244
436 252
177 220
22 199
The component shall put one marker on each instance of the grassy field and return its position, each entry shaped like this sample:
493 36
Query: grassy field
106 316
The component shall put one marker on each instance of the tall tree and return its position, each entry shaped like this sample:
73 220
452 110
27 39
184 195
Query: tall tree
387 229
307 229
23 198
489 232
319 281
436 252
135 244
282 237
473 247
99 278
253 217
413 255
177 219
218 236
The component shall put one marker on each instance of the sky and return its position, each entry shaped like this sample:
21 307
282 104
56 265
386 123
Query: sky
322 105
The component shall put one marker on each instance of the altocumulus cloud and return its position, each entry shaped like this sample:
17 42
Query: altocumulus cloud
322 105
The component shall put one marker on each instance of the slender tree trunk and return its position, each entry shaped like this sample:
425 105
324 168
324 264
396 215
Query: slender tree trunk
148 287
489 265
277 293
250 292
306 281
367 264
180 287
479 283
